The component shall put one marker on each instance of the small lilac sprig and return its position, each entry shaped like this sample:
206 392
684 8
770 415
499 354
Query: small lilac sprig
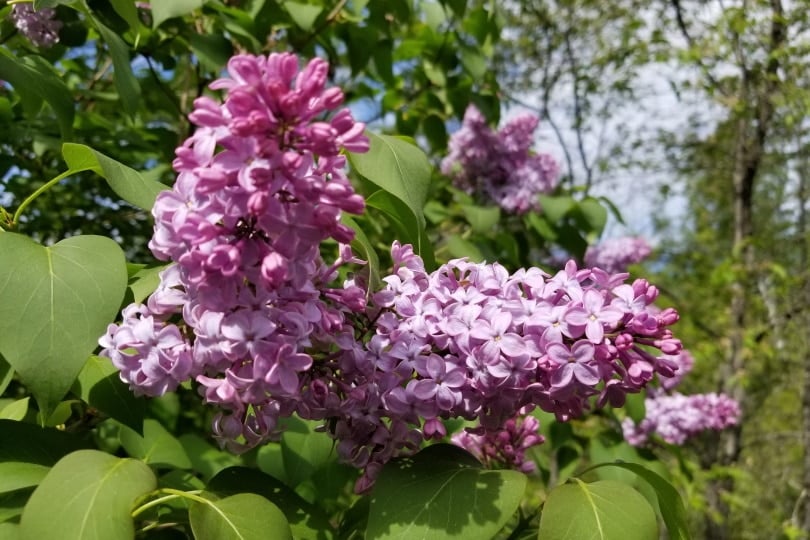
504 448
39 26
499 166
616 254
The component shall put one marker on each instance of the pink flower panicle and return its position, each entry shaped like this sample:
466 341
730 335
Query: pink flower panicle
250 311
677 417
260 185
616 254
38 26
499 166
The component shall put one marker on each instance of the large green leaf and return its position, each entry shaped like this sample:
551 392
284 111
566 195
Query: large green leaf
157 447
245 516
34 76
99 384
55 302
307 522
304 450
442 492
7 373
127 183
164 9
88 495
670 504
603 510
398 167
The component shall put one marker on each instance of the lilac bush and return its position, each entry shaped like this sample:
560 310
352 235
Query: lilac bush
39 26
499 164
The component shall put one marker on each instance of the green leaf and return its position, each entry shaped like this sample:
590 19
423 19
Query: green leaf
127 183
556 208
303 15
126 10
99 384
307 522
459 247
129 91
442 492
16 475
213 50
603 510
304 450
10 531
16 410
35 75
206 458
634 405
482 219
157 447
12 504
245 516
28 443
6 374
88 495
144 282
399 168
670 504
362 246
55 302
594 213
163 10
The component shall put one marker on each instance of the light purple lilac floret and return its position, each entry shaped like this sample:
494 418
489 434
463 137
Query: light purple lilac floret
250 311
38 26
676 417
499 165
616 254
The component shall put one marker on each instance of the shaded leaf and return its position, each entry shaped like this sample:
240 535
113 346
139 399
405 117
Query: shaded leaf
206 458
163 10
603 510
6 374
442 492
95 493
34 75
245 516
157 447
144 282
129 91
307 522
55 302
16 475
99 384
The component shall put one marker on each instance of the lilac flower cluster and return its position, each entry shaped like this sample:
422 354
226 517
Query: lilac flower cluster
252 313
616 254
38 26
499 165
504 448
260 185
676 417
472 341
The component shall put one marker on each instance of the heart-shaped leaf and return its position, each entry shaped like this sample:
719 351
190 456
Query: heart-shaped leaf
88 495
604 510
442 492
55 302
245 516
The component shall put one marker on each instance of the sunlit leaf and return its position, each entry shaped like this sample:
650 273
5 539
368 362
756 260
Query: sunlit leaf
163 10
55 302
245 516
88 495
156 447
603 510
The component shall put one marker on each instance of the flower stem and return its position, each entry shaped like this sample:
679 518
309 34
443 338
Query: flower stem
170 494
37 193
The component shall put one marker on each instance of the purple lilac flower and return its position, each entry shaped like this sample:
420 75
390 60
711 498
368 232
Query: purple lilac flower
677 417
38 26
260 185
504 448
616 254
498 165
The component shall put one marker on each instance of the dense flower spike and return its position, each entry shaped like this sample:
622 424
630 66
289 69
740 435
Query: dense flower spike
38 26
250 311
616 254
676 417
499 165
